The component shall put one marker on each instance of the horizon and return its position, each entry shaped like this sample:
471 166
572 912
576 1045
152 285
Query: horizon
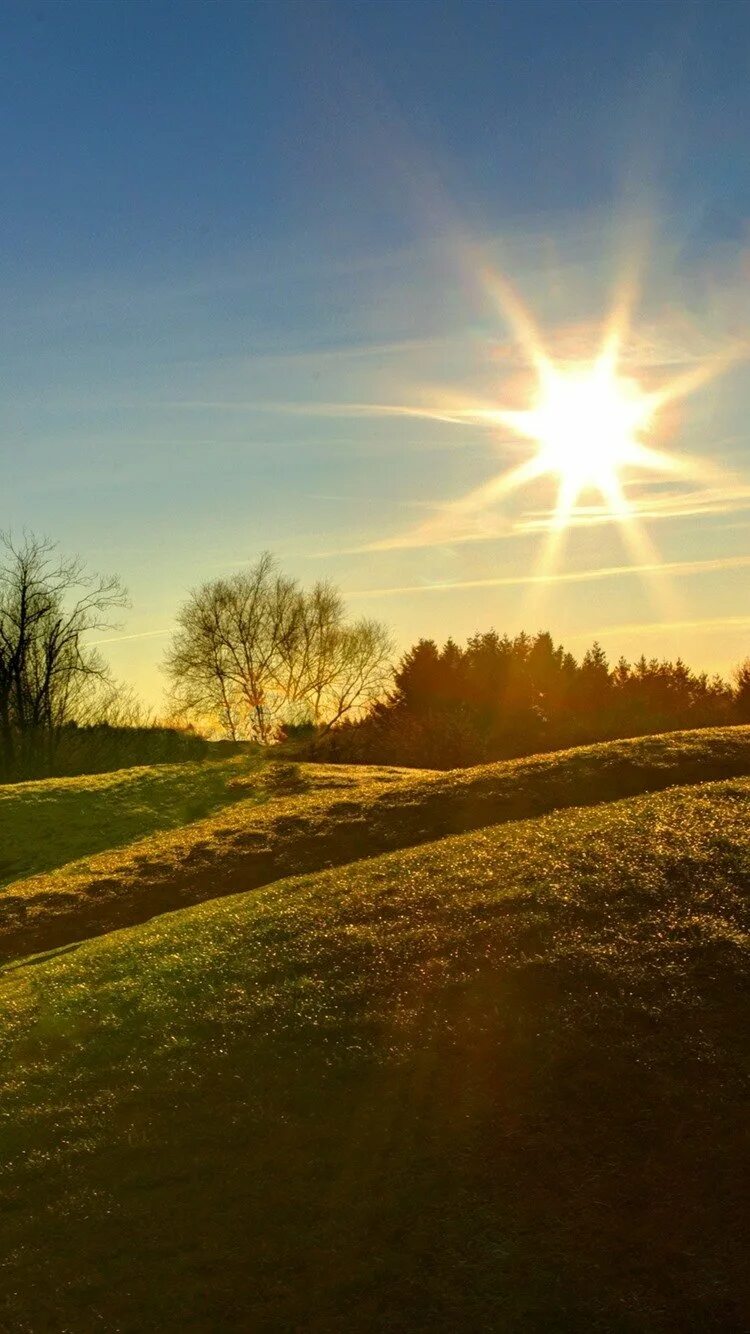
269 278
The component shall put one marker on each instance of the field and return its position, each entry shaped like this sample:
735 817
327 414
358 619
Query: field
302 818
47 824
495 1080
57 820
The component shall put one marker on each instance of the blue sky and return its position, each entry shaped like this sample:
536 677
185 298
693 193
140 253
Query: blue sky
236 237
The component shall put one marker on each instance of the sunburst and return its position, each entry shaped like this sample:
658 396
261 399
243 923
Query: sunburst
592 424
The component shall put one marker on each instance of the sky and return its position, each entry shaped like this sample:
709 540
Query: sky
264 265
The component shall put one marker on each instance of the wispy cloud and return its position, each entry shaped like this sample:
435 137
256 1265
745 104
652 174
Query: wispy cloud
453 527
677 568
347 411
141 634
702 626
729 499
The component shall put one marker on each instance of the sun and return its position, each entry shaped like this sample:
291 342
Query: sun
592 423
588 422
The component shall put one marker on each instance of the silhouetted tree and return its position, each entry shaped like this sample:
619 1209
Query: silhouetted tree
742 692
417 678
501 697
255 650
48 673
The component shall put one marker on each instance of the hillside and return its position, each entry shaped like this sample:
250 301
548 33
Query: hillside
340 815
47 823
494 1082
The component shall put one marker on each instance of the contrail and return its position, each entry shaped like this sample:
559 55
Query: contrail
572 576
142 634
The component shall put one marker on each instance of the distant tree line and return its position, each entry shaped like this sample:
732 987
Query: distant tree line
500 697
257 658
253 656
61 712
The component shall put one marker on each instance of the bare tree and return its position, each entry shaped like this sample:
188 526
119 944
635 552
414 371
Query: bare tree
254 650
351 673
48 604
113 703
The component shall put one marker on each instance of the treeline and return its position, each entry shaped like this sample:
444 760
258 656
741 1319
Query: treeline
501 697
97 748
256 658
253 653
61 712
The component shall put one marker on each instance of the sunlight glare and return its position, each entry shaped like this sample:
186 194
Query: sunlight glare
591 423
586 423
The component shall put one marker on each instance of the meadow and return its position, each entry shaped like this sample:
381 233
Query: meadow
375 667
489 1071
300 818
52 821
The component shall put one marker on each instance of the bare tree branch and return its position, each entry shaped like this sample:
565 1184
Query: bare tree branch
254 651
48 605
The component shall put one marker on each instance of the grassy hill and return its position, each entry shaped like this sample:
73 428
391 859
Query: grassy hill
47 823
497 1082
339 815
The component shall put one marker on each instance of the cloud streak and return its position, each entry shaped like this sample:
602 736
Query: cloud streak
140 634
453 416
658 627
674 505
483 527
678 568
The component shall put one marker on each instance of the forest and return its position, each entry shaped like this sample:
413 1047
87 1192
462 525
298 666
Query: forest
500 697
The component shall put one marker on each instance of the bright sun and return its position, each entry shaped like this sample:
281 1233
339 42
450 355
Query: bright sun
592 425
587 423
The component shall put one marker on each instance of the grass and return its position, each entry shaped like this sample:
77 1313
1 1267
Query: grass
57 820
368 811
492 1083
46 824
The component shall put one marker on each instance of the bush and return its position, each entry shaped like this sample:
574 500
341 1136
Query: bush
283 779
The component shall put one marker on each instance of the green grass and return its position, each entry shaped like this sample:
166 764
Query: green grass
46 824
57 820
375 810
493 1083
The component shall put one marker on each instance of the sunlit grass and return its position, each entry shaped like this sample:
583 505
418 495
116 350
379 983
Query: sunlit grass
339 815
57 820
491 1083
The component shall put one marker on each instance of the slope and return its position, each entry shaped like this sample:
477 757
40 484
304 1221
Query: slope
47 823
498 1082
247 846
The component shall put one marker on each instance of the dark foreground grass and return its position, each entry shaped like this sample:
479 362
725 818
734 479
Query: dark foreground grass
497 1083
368 811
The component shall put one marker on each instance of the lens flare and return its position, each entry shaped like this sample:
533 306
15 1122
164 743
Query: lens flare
592 425
586 423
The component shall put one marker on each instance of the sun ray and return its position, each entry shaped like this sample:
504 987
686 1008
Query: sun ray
551 548
520 319
681 386
639 546
591 424
609 355
446 526
498 486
